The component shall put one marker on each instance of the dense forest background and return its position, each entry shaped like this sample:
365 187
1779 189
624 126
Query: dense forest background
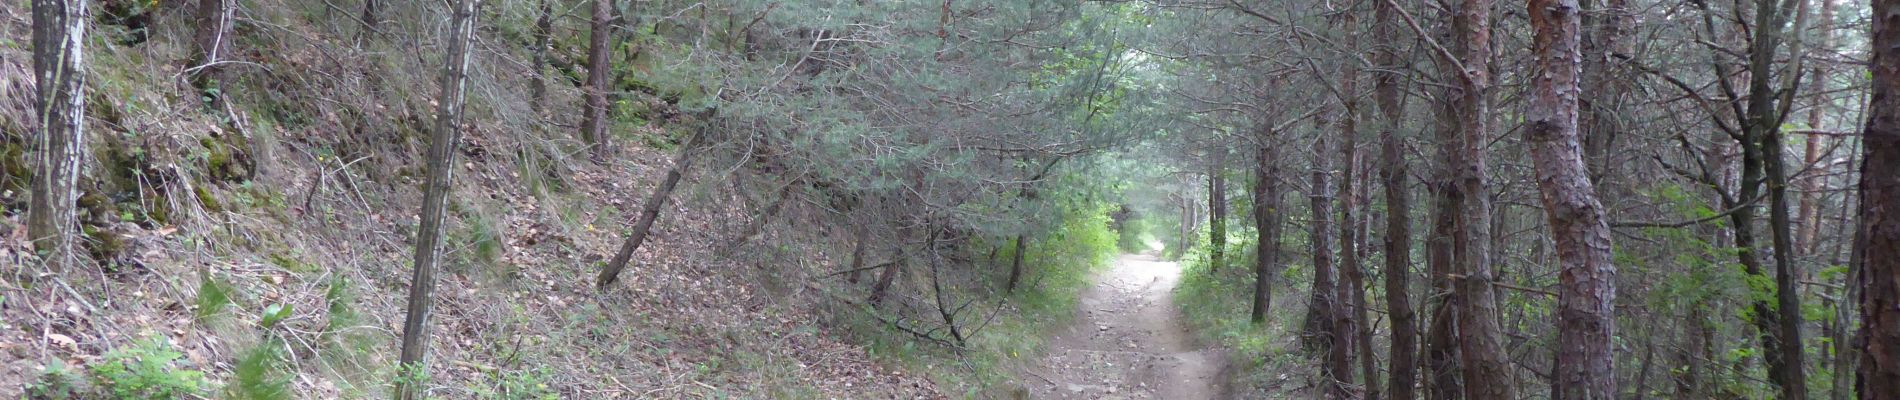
511 199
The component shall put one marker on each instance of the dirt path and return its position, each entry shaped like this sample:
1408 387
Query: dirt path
1127 342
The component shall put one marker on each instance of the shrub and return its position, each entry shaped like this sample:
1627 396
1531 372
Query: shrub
149 370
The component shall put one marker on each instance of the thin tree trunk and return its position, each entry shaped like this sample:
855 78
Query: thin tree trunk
1879 373
1398 262
594 122
1766 117
1487 371
1352 288
1605 27
888 276
1403 350
372 18
214 25
860 233
1016 263
1322 330
1584 366
59 39
651 211
1217 210
1443 372
1267 217
448 130
1812 182
543 39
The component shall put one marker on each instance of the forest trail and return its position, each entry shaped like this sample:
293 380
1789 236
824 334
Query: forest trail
1128 342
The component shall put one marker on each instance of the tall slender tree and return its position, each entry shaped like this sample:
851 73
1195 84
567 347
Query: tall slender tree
1403 347
599 53
448 130
1322 322
1217 208
59 39
1267 215
1487 370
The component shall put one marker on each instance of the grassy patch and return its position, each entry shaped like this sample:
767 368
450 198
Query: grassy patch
1218 305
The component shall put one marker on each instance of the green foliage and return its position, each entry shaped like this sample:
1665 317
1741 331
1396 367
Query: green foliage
259 375
212 298
56 382
273 314
150 370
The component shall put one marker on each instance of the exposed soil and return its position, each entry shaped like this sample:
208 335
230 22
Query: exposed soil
1128 342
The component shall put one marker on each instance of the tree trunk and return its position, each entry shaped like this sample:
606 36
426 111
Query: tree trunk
448 130
1584 367
543 39
1879 373
1016 263
651 211
1604 26
1487 371
59 39
214 25
1812 182
1398 262
1267 221
372 18
1352 288
1217 210
1322 331
1403 350
888 276
860 233
594 122
1764 137
1443 376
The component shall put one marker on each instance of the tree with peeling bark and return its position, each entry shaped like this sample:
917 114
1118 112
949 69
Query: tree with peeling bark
1586 321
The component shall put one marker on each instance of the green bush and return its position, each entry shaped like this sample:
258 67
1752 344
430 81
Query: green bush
148 370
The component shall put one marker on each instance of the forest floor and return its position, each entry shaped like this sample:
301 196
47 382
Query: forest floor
1128 342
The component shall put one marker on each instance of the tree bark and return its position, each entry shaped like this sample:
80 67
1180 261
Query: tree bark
1352 289
448 130
1403 350
1765 115
1016 263
594 122
1879 373
59 39
1812 183
650 211
1267 221
1217 210
1584 367
1487 371
1605 25
1322 331
1443 373
543 39
214 25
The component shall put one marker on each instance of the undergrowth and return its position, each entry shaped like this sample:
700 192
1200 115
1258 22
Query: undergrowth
1057 268
1217 305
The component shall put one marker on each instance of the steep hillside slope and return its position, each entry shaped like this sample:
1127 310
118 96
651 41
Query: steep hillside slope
264 235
